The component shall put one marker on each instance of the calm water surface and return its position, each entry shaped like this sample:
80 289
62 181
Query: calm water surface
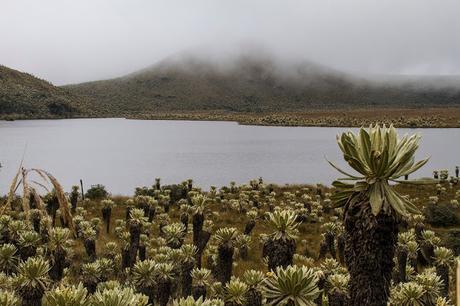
123 154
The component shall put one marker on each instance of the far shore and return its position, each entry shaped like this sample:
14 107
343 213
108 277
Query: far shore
440 117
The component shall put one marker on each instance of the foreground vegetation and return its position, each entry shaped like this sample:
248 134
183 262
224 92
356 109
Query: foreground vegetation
256 244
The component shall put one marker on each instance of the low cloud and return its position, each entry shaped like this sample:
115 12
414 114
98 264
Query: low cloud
76 41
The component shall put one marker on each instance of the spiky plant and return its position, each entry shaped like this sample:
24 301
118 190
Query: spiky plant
340 232
107 206
252 215
15 228
402 253
28 242
109 285
129 207
174 234
187 264
106 268
337 294
111 250
330 266
225 238
35 218
6 282
165 276
190 301
59 241
118 297
431 284
372 207
143 202
418 222
292 286
67 296
143 243
441 301
136 221
91 276
443 258
201 278
33 280
412 253
254 280
5 236
89 241
185 213
328 243
74 198
163 220
52 205
200 237
407 294
281 244
153 205
235 293
8 298
8 258
428 244
144 278
242 244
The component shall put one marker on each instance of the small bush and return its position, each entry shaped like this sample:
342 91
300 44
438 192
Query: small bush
453 241
96 192
144 191
177 192
441 215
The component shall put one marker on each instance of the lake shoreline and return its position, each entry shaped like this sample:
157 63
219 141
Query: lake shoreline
401 118
346 118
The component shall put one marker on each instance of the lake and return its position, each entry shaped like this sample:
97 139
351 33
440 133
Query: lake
123 154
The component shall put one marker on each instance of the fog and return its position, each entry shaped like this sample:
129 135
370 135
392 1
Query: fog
67 41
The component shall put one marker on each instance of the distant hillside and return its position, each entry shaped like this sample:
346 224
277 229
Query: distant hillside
256 84
25 96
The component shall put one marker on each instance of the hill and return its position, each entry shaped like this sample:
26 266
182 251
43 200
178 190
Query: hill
258 84
24 96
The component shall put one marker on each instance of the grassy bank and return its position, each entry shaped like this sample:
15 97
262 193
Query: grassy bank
404 117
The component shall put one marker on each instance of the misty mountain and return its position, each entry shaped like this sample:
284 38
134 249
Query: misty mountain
24 96
257 83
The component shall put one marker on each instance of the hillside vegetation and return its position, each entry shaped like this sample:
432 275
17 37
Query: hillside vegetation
24 96
250 89
256 85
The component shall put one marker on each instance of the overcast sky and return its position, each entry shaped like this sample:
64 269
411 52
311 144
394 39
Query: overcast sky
68 41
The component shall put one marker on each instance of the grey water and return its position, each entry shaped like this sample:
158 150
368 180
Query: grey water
123 154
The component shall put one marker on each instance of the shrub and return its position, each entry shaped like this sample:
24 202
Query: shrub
96 192
178 191
441 215
453 241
